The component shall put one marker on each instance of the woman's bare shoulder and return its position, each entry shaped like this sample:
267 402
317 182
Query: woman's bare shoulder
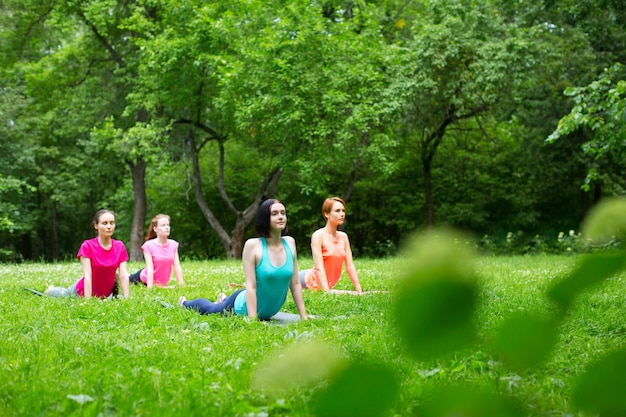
291 242
252 243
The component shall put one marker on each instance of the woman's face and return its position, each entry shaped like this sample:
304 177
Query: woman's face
278 217
163 227
337 214
106 225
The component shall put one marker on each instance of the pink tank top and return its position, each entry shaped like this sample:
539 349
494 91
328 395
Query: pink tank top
163 257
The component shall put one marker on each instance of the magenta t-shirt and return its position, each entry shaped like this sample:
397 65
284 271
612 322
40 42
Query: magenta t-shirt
104 264
163 260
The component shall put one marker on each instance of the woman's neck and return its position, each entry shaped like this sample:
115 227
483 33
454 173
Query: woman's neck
274 238
105 241
161 240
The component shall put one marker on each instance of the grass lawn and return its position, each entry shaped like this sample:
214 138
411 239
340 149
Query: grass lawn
72 357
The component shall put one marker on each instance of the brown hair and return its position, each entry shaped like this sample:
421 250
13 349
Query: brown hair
99 213
154 223
328 204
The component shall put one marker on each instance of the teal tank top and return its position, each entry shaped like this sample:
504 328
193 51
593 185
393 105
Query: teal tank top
272 284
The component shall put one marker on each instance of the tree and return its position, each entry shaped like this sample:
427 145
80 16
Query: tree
284 82
186 46
41 128
576 39
457 62
109 26
600 108
89 67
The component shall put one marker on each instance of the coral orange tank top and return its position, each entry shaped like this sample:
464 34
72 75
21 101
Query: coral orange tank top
334 255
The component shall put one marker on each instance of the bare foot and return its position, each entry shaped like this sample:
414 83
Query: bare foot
181 300
48 289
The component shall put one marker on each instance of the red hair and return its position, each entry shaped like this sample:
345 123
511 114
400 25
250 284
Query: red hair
154 223
328 204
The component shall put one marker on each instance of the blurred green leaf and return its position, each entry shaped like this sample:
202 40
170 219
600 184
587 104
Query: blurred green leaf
298 366
524 341
466 402
606 221
436 318
435 302
593 269
361 390
601 388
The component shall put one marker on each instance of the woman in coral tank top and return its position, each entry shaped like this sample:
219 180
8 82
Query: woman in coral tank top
331 249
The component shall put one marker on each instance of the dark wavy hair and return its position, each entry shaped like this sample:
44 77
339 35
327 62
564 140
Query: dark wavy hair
262 221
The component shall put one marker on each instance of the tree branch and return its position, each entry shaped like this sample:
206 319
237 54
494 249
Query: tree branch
213 135
32 25
220 182
204 207
117 58
267 189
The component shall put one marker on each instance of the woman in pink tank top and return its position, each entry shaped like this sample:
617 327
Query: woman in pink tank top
331 249
101 258
161 255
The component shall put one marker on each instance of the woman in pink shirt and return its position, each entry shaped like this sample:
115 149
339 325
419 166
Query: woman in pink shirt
161 255
101 258
331 249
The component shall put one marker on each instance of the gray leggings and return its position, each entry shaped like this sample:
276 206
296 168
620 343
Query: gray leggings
65 292
62 291
302 275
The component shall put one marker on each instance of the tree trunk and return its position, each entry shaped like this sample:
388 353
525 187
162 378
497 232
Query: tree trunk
237 237
138 171
233 244
266 190
355 169
429 147
202 204
597 193
428 193
55 252
584 201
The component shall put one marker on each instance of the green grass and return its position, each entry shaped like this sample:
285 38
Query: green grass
72 357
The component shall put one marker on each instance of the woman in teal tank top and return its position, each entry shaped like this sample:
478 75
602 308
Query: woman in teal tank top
270 268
